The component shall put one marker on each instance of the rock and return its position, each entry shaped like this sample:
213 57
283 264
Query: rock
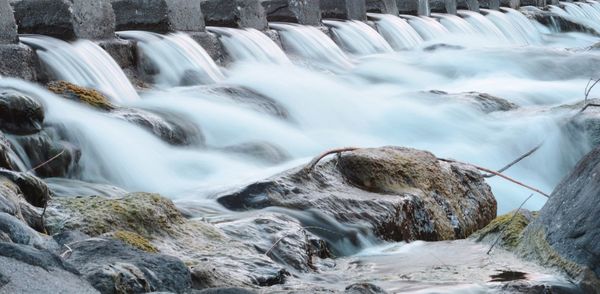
508 228
514 4
19 113
6 154
412 7
551 19
305 12
19 61
235 13
66 19
382 6
402 194
364 289
250 98
489 4
566 232
344 9
262 151
210 43
13 203
484 102
8 26
85 95
583 125
443 6
113 267
171 128
226 291
18 231
62 187
472 5
159 16
33 189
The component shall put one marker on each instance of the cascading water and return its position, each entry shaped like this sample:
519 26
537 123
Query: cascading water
484 25
398 33
357 37
312 44
427 27
510 30
577 14
83 63
249 45
455 24
177 57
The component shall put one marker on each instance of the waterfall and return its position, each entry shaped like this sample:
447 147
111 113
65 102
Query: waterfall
427 27
312 44
357 37
399 34
249 45
83 63
483 25
508 27
177 57
455 24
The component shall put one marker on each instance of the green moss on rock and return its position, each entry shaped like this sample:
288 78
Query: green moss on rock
135 240
511 230
81 94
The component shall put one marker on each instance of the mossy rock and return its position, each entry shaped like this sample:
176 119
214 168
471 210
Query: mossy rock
135 240
142 213
82 94
509 227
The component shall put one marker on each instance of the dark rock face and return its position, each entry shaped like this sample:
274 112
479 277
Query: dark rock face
159 16
33 189
566 233
472 5
113 267
66 19
402 194
8 27
344 9
210 43
537 3
364 289
17 231
6 160
443 6
489 4
20 114
382 6
305 12
235 13
17 60
514 4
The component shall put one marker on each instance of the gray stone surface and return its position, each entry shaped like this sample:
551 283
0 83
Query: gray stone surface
235 13
8 26
472 5
443 6
305 12
158 15
537 3
489 4
566 234
344 9
382 6
210 43
66 19
515 4
18 232
18 61
412 7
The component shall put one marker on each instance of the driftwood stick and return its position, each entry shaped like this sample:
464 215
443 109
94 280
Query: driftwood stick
516 160
311 165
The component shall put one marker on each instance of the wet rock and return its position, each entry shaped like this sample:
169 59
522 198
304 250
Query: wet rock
556 21
402 194
583 125
19 61
8 27
484 102
226 291
364 289
507 229
566 232
66 19
19 113
210 43
159 16
382 6
6 160
113 267
472 5
250 98
19 232
514 4
443 6
13 203
344 9
442 46
297 11
262 151
62 187
85 95
489 4
34 190
235 13
171 128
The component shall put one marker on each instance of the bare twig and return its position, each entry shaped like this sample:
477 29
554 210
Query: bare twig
589 105
508 225
309 168
516 160
47 161
588 89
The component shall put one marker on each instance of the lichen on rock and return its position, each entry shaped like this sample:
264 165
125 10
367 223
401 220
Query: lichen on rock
135 240
85 95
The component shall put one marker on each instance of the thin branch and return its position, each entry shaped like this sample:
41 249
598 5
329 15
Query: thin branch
48 161
516 160
310 166
589 105
509 223
588 89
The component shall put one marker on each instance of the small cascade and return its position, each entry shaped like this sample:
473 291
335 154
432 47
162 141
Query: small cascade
455 24
427 27
588 9
312 44
483 25
177 57
83 63
249 45
532 30
399 34
584 14
357 37
508 28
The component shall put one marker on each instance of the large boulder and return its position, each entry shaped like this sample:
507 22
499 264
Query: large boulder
18 60
19 113
159 16
65 19
566 234
235 13
8 26
383 6
401 194
344 9
305 12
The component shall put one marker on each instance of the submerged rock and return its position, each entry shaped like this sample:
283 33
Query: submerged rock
402 194
566 233
484 102
263 151
19 113
251 99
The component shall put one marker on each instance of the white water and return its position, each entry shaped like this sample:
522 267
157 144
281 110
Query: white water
398 33
83 63
249 45
581 14
357 37
427 27
175 55
484 25
455 24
